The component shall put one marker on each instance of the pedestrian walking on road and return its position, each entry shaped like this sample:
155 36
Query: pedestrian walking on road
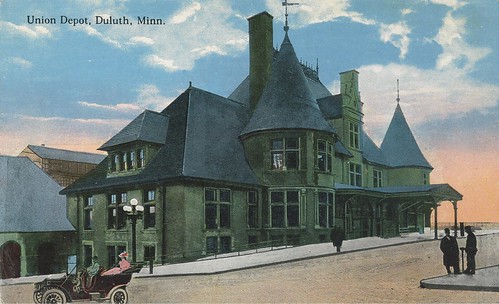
450 249
471 251
337 237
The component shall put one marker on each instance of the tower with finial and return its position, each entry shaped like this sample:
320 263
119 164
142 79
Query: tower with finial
285 3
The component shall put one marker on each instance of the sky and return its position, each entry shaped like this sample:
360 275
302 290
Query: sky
70 82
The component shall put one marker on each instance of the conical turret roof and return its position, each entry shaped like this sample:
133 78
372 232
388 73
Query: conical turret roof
287 101
399 145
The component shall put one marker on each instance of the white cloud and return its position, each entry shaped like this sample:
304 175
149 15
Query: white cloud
454 4
166 64
398 35
141 40
456 54
185 13
121 107
21 62
426 95
148 97
33 32
315 11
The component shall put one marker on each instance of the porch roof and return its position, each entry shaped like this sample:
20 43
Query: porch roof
441 192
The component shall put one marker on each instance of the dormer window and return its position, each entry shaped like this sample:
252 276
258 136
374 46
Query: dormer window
127 161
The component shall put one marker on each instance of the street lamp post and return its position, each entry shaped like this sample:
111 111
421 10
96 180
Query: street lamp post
134 211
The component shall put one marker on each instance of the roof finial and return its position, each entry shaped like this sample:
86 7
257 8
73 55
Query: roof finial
398 93
286 4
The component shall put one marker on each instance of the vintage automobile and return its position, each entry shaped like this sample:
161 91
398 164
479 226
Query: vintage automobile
76 287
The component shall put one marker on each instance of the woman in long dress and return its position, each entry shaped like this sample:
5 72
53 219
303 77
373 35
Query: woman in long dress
123 265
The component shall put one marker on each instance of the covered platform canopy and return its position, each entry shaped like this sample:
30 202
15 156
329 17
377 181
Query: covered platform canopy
405 197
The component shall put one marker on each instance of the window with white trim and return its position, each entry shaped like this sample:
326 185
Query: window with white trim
325 209
354 135
324 156
355 174
285 153
377 178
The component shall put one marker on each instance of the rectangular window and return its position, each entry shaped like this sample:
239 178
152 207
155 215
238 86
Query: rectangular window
130 160
88 212
285 153
285 209
150 209
217 211
326 209
115 162
377 178
355 175
252 201
425 179
324 156
116 216
123 162
354 135
211 244
140 158
87 255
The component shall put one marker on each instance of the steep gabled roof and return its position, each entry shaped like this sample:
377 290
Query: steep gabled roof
29 199
371 152
287 101
149 126
60 154
399 146
201 142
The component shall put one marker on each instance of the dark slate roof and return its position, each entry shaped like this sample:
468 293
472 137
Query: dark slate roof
399 146
331 106
341 149
287 101
241 93
371 152
149 126
59 154
29 199
201 142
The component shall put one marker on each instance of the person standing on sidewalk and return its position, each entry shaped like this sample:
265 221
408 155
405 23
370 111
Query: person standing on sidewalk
471 251
450 249
337 237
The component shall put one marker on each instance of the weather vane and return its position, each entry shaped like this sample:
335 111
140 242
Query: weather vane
286 4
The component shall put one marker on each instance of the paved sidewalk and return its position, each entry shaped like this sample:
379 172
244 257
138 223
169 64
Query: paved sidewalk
484 279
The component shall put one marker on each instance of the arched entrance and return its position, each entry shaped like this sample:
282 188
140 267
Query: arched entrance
10 260
47 258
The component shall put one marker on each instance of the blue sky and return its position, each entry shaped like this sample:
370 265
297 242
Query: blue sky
74 87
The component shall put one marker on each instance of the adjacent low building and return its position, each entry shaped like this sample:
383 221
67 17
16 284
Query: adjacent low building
280 160
35 234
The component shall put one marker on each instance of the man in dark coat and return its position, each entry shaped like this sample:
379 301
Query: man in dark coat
450 249
471 251
337 237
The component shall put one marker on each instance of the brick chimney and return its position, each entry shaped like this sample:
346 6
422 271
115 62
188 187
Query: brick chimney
261 52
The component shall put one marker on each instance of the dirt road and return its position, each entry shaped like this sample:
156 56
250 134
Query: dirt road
389 275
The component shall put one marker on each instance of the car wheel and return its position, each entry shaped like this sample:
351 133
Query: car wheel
119 296
54 296
37 296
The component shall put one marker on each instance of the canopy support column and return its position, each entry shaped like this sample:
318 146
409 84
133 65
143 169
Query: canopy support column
435 207
454 203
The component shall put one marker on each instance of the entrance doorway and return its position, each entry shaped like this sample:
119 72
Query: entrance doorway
10 260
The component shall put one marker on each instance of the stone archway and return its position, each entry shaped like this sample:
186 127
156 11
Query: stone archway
10 260
47 258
